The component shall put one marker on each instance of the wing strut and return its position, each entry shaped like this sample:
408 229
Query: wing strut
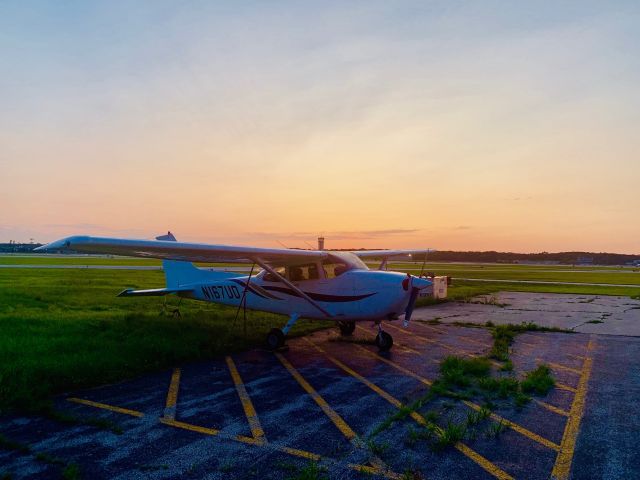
268 268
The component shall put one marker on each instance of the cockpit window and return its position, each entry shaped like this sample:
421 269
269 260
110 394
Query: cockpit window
339 262
300 273
270 277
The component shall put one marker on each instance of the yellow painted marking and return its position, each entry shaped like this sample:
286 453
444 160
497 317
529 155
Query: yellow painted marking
557 366
579 357
172 394
476 457
104 406
424 324
396 366
552 408
241 438
337 420
514 426
435 342
247 405
518 428
329 412
460 337
568 388
562 467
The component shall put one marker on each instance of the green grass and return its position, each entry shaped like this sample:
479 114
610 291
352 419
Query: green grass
62 330
549 273
503 336
538 381
449 435
43 259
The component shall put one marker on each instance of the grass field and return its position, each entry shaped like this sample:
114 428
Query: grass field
65 329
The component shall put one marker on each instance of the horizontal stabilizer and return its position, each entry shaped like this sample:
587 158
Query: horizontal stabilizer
153 292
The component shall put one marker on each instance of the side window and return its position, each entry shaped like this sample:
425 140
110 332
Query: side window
303 272
332 270
269 277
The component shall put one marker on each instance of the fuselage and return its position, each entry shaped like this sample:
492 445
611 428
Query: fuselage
353 295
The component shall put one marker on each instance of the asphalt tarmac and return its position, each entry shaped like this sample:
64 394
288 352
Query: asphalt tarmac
261 414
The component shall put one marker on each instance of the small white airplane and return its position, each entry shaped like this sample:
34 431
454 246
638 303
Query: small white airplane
312 284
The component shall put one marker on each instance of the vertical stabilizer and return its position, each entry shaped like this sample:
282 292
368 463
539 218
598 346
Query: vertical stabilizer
178 273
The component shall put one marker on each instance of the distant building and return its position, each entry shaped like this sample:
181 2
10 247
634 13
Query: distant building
584 261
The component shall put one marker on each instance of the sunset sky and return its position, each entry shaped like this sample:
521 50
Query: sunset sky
511 126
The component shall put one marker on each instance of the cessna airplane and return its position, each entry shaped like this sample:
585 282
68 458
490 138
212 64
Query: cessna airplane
312 284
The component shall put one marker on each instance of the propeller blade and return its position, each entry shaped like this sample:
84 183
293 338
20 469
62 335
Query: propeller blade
409 310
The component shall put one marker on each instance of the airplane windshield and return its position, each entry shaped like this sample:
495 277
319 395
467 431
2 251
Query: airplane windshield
340 262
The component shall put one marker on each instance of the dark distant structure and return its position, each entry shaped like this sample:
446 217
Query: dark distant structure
15 247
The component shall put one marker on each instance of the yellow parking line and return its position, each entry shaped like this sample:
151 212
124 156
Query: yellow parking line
337 420
568 388
562 467
448 347
460 337
396 366
104 406
329 412
241 438
514 426
172 394
552 408
424 324
247 405
557 366
518 428
476 457
430 340
209 431
579 357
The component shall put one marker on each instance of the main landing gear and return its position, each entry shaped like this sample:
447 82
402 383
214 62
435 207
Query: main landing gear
275 338
346 327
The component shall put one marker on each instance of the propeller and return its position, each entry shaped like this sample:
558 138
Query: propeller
416 284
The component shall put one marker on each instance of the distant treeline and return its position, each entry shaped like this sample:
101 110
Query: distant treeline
567 258
570 258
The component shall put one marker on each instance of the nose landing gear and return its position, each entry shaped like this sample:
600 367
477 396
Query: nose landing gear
384 341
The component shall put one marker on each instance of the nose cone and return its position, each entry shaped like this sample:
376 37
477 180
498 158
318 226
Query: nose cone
420 283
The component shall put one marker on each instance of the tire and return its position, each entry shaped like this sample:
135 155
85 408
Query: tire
384 341
275 339
346 328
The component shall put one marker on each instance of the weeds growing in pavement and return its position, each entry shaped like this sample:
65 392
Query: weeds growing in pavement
538 381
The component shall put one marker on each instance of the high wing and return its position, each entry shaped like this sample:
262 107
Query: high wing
392 254
190 252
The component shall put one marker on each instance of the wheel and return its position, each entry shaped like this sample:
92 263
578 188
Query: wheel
384 341
275 339
346 328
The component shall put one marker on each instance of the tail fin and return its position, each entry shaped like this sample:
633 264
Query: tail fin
178 273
